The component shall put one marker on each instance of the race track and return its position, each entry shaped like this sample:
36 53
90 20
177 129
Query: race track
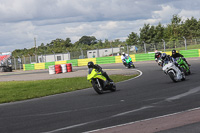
153 94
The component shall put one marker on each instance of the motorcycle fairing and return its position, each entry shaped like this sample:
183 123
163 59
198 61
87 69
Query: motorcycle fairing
95 74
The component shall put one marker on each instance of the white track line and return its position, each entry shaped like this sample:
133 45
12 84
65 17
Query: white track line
134 77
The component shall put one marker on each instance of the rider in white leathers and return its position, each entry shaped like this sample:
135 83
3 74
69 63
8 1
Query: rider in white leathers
123 57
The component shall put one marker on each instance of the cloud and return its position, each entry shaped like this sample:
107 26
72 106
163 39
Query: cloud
166 13
185 14
22 20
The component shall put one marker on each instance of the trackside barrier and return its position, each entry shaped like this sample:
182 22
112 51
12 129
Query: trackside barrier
60 68
60 62
28 66
84 62
69 67
105 60
52 70
199 52
64 68
118 59
47 64
39 66
190 53
108 60
168 53
73 62
145 57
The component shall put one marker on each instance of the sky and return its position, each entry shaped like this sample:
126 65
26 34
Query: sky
23 20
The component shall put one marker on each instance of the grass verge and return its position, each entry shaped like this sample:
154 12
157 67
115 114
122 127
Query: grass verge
21 90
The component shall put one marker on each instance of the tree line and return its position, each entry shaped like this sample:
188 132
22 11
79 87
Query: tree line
150 34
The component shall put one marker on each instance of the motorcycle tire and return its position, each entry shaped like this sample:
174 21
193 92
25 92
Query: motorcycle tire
97 88
185 71
171 75
189 72
113 88
183 78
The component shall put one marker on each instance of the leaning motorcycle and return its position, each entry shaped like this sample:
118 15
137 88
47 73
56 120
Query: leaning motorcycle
183 65
174 72
129 63
99 82
159 61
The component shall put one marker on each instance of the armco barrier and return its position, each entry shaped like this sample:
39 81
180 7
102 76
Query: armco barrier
39 66
105 60
199 52
190 53
168 53
145 57
60 62
118 59
28 67
108 60
47 64
84 62
133 57
74 62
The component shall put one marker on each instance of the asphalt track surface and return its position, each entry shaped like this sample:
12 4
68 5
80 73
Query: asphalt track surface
152 95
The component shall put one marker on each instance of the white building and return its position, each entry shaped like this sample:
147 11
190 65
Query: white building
102 52
53 57
106 52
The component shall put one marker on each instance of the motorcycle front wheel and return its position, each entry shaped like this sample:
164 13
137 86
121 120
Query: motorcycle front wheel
171 75
97 87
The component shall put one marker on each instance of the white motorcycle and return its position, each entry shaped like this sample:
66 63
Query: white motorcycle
174 72
159 61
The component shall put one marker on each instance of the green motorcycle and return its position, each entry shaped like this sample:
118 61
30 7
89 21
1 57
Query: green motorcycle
183 65
99 82
129 63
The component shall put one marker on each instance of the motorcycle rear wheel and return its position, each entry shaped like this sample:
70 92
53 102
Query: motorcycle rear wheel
183 78
113 88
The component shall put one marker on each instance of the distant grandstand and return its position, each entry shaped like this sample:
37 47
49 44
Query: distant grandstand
5 62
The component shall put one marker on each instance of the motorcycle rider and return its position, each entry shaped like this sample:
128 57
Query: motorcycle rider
165 58
123 57
91 66
157 55
175 55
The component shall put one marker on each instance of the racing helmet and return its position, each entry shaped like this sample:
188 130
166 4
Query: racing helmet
123 53
163 55
90 64
173 51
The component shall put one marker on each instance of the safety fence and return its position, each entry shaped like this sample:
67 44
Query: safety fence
108 60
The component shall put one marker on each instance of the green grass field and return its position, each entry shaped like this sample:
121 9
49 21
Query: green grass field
21 90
